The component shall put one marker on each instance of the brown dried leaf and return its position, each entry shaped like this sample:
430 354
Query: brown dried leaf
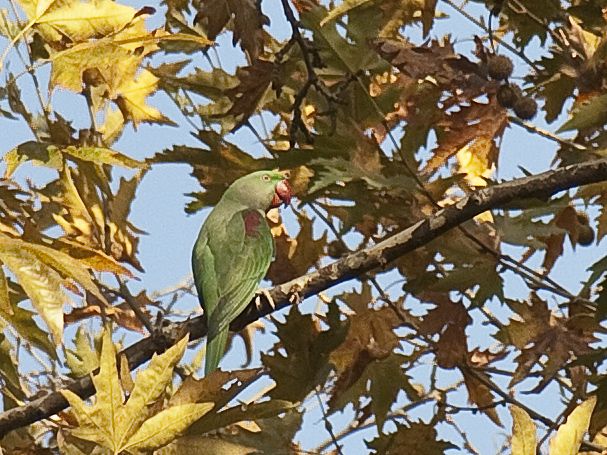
536 332
294 256
300 360
458 129
214 15
370 334
212 388
480 394
419 438
255 80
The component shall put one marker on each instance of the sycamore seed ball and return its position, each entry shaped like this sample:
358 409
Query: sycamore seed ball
508 94
525 108
585 235
499 67
582 218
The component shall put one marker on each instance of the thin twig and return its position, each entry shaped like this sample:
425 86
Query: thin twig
479 24
328 425
129 299
533 414
546 134
522 9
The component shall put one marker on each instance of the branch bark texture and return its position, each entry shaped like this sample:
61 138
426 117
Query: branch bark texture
347 268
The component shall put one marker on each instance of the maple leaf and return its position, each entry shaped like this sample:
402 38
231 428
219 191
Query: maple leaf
449 319
294 255
456 130
479 392
252 92
214 15
270 434
418 437
524 439
570 435
536 332
128 426
305 361
437 59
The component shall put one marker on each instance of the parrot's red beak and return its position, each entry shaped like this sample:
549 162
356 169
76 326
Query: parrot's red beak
282 194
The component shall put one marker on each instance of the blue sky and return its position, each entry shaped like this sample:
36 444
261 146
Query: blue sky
165 252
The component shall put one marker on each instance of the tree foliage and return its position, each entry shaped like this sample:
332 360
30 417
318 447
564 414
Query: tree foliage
382 120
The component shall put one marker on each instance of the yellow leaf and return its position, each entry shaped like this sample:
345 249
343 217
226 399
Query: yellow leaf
41 283
100 155
94 259
118 68
5 303
91 427
115 63
110 423
107 387
195 445
165 426
125 375
524 438
569 435
341 9
80 21
112 127
66 265
476 162
85 359
132 99
98 423
149 384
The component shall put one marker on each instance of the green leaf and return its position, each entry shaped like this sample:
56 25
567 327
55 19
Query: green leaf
100 155
85 358
40 154
589 115
342 9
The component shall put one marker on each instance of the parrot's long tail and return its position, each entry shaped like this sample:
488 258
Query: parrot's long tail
216 347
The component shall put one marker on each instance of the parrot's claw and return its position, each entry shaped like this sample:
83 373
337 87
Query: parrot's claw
266 294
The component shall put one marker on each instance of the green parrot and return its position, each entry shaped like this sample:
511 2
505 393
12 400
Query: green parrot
233 253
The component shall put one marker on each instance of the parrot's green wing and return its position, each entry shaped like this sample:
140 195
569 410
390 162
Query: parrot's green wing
234 261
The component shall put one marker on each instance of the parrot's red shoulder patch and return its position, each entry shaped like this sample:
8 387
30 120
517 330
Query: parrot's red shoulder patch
252 220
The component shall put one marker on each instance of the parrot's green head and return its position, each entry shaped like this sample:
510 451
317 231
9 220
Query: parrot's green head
261 190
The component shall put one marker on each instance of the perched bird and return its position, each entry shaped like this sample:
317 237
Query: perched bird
233 253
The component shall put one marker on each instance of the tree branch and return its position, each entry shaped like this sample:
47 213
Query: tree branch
344 269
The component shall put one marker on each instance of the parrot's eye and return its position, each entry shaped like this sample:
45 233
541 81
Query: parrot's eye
265 178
